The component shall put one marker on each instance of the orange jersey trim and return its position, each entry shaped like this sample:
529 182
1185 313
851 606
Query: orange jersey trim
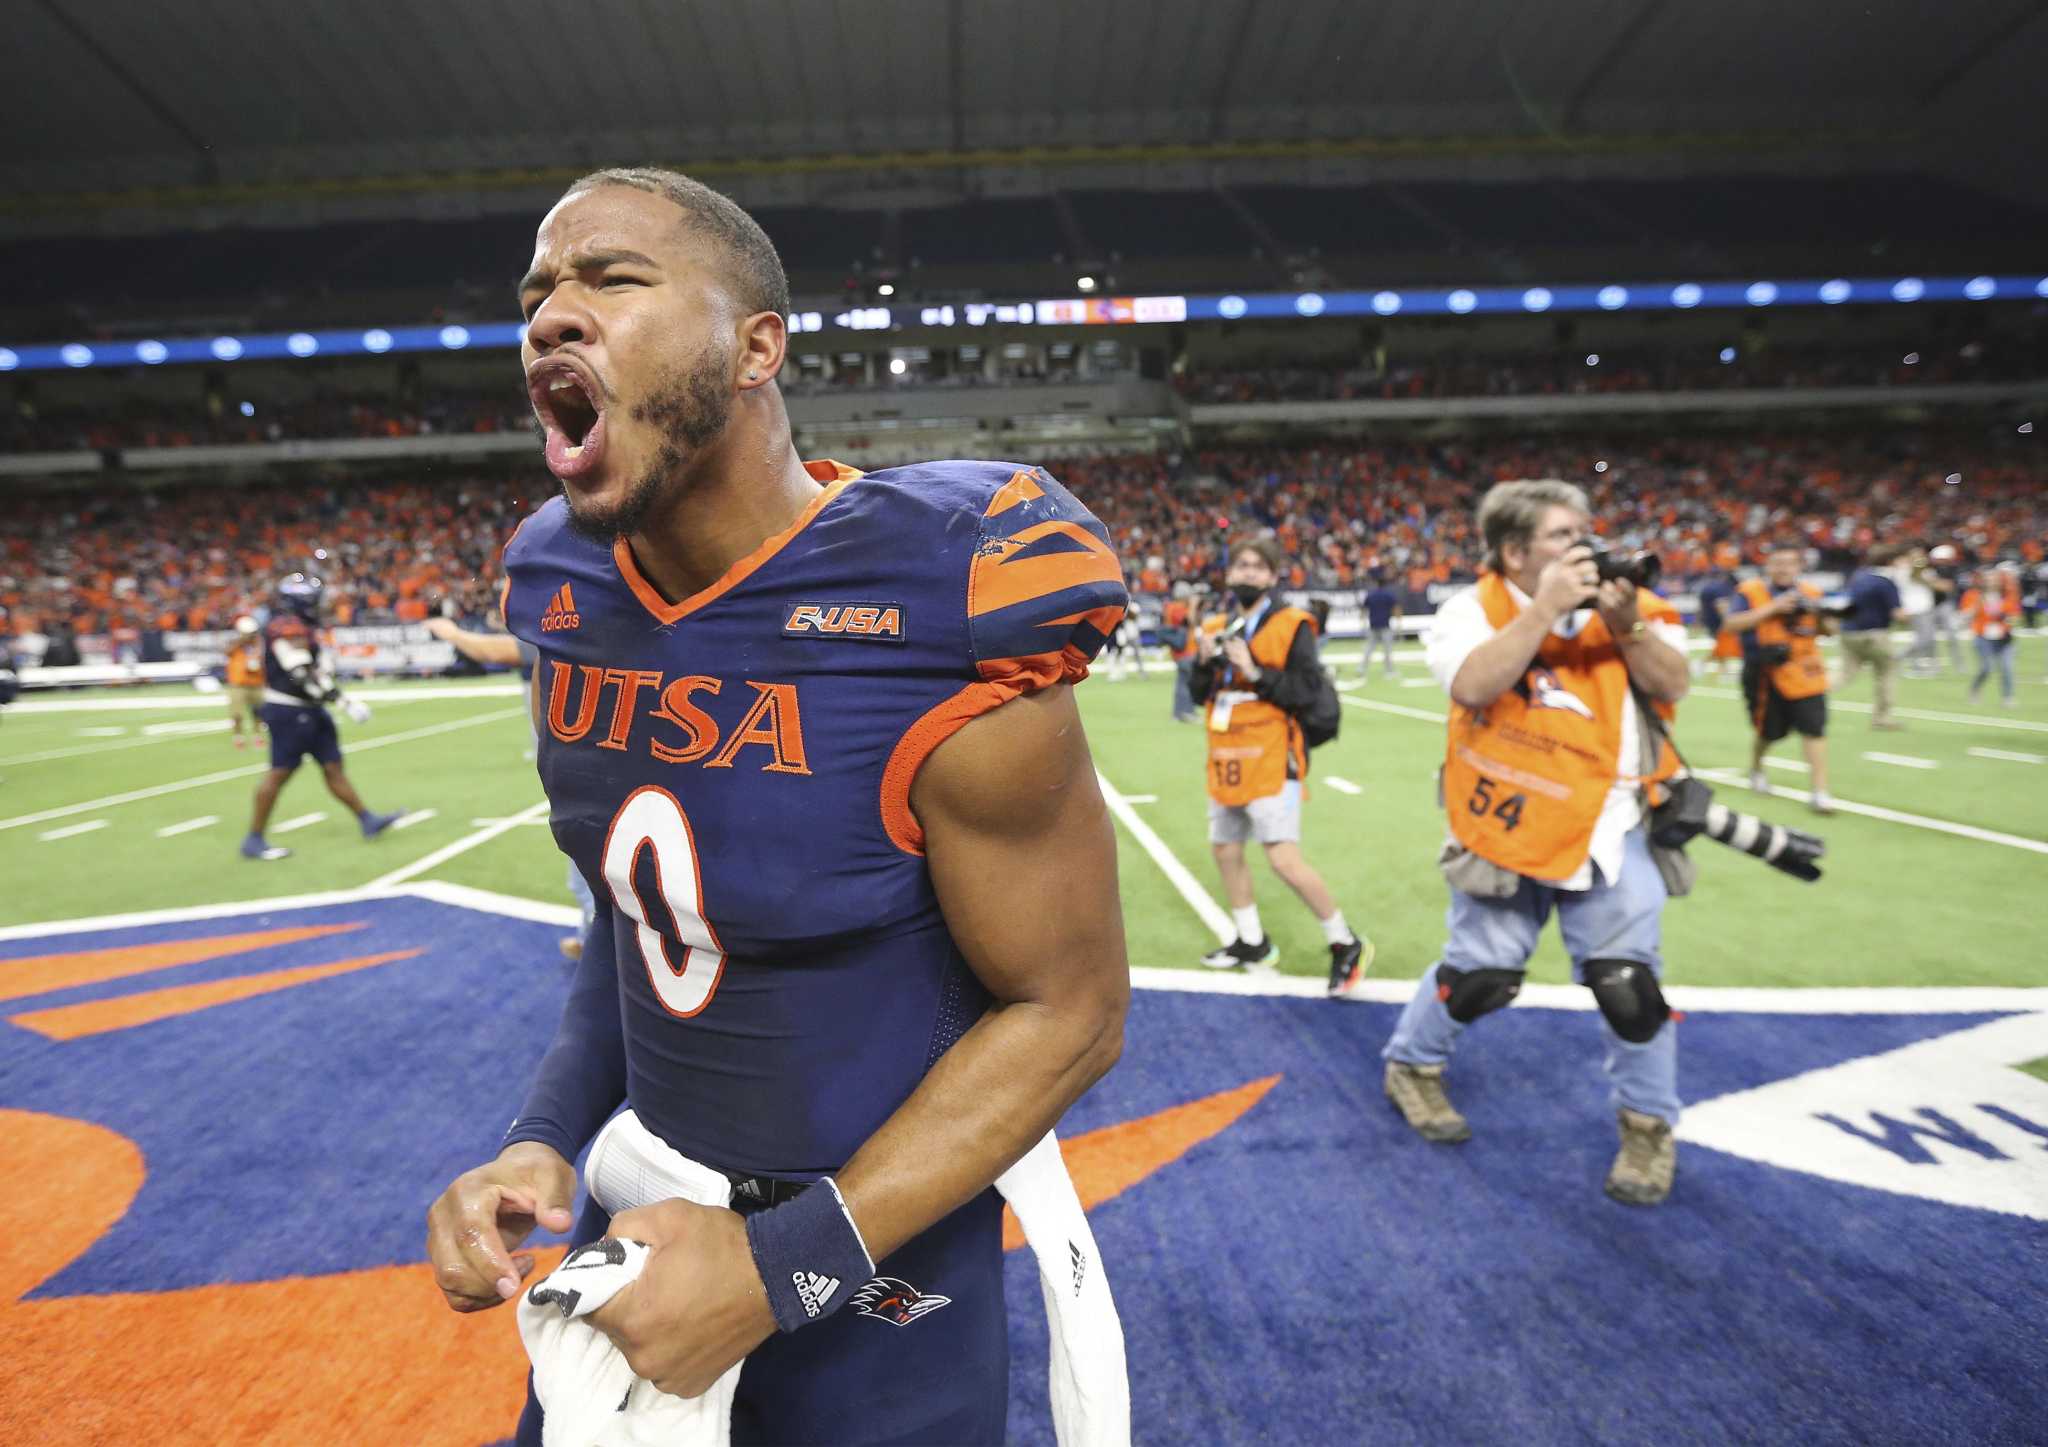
835 475
995 581
1021 487
948 717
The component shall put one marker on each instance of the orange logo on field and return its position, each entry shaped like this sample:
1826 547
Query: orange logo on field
882 622
561 612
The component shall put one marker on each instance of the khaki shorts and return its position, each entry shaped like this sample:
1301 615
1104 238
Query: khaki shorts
245 700
1275 819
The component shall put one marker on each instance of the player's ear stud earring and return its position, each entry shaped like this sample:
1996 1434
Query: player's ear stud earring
753 376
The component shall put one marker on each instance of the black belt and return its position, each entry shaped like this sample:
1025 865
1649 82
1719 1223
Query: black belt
758 1193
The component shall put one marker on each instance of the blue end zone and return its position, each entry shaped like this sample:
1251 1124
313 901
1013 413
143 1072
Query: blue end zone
1312 1273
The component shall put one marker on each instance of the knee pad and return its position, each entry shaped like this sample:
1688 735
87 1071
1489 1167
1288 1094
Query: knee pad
1468 994
1628 995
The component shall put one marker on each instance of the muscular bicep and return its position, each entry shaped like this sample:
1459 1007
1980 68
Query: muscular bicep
1023 855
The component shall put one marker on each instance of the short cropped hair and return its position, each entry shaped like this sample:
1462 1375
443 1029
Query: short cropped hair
1268 551
1510 512
759 283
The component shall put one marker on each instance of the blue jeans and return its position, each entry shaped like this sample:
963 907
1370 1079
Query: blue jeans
1618 920
1183 694
1994 653
585 901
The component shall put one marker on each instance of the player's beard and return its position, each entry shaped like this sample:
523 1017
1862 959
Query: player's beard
690 408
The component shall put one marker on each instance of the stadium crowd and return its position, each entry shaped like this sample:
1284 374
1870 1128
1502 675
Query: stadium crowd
218 418
120 558
1595 373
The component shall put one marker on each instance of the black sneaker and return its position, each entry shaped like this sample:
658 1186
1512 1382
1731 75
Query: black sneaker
1237 955
1348 964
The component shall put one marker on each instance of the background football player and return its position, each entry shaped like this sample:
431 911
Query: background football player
297 687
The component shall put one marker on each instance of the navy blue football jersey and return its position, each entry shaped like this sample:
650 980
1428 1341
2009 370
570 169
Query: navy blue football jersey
734 771
301 645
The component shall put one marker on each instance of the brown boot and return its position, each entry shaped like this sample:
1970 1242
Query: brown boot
1418 1093
1642 1173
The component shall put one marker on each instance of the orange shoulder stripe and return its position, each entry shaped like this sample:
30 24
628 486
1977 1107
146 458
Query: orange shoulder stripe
999 580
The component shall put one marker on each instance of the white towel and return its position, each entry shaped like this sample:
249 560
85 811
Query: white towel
583 1381
588 1395
1090 1386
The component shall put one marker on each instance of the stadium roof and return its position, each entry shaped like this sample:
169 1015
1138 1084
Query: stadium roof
126 104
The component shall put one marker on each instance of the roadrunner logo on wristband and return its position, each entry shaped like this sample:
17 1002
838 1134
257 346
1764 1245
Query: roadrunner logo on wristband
897 1302
813 1290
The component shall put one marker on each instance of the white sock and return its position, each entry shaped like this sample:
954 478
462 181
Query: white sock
1335 930
1248 927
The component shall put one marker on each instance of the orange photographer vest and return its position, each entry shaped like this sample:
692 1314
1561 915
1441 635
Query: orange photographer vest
1804 674
1249 749
1991 614
245 663
1525 778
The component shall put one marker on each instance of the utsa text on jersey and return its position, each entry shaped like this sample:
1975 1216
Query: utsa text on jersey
678 730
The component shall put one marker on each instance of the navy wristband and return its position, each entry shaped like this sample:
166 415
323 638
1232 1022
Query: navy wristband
810 1255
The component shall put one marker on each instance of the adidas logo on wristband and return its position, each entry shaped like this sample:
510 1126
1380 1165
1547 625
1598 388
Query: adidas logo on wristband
813 1290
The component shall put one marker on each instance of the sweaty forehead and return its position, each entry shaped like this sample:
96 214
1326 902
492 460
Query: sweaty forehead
611 218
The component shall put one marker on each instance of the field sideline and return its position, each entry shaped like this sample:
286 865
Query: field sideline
116 802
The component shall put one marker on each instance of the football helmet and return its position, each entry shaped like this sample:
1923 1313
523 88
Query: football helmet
300 594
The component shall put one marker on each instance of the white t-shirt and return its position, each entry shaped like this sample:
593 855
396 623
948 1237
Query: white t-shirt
1461 625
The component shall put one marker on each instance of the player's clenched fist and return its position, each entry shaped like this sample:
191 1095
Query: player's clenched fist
697 1308
474 1228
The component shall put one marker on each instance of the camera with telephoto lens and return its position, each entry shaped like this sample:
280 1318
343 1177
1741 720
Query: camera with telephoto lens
1642 568
1689 809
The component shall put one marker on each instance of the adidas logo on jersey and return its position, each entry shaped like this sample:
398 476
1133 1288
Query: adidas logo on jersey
561 612
882 622
813 1290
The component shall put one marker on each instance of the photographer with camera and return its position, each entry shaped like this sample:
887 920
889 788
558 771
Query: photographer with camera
1259 672
1784 681
1546 761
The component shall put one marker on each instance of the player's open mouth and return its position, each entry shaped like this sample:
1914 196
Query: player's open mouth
570 407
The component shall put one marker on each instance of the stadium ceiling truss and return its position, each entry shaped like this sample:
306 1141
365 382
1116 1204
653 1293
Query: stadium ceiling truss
129 104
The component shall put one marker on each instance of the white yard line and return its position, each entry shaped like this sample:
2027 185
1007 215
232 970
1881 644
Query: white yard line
1141 798
417 816
1418 683
1925 715
300 821
2008 755
1395 708
221 776
111 732
1738 999
1901 761
1342 786
461 846
1731 776
1895 816
1388 990
1210 912
78 751
70 830
187 826
178 727
257 909
489 901
200 700
1790 766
